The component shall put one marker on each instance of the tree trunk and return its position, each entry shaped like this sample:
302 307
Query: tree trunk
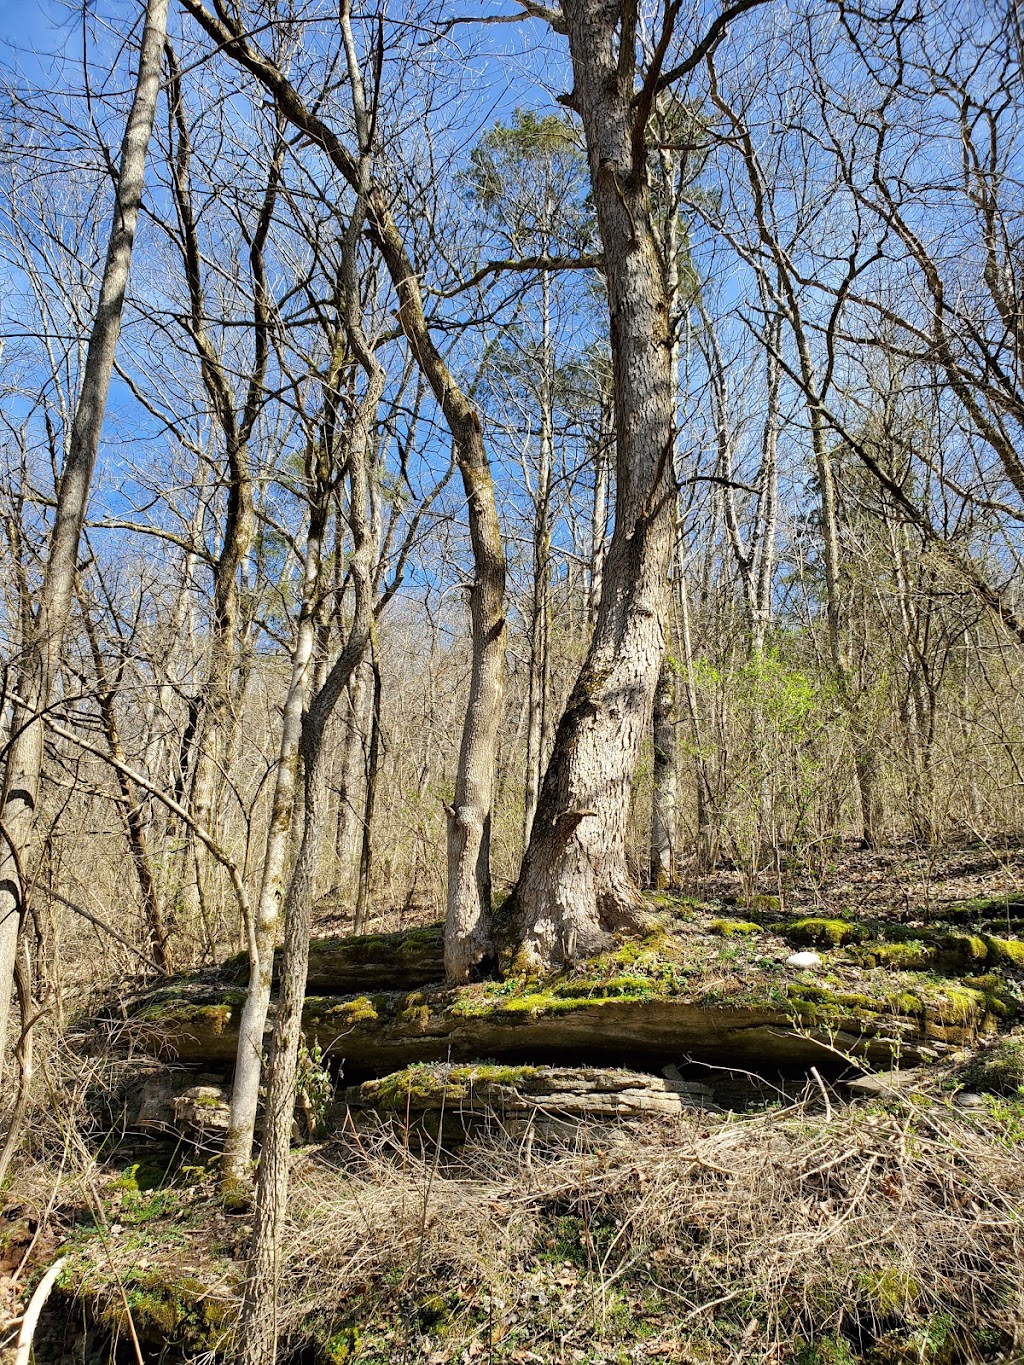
574 886
540 669
258 1322
249 1058
366 824
663 814
348 830
23 769
467 933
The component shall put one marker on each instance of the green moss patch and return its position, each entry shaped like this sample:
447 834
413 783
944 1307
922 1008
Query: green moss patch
734 928
433 1086
813 932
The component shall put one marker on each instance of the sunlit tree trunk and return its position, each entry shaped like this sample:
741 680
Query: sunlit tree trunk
574 887
540 624
258 1322
37 675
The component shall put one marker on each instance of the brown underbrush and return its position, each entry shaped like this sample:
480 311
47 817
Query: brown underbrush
819 1233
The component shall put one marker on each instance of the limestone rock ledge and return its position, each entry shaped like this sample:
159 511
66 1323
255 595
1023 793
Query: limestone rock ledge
634 1020
483 1089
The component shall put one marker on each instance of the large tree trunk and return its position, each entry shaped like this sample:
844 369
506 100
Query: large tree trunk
574 887
36 678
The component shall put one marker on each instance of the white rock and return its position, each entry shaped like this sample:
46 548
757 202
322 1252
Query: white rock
968 1100
804 960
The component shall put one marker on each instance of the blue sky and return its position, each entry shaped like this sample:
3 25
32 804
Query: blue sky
28 27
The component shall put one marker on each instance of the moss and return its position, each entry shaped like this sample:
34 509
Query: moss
889 1292
415 1013
734 928
818 1003
342 1346
1007 951
208 1101
961 951
546 1002
415 940
646 952
906 1002
359 1010
173 1310
427 1086
959 1004
181 1017
765 905
826 1352
822 933
913 955
999 999
617 988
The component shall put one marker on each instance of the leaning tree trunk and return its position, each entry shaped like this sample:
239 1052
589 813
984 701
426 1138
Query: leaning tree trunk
574 886
258 1321
235 1165
36 678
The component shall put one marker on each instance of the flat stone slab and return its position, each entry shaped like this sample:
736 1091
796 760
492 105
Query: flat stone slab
365 962
517 1092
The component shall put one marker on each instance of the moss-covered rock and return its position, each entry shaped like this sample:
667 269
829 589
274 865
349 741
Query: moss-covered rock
366 962
170 1311
524 1091
734 928
814 932
913 955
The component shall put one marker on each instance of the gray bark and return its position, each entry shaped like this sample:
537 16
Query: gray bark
574 887
249 1060
663 821
36 681
258 1322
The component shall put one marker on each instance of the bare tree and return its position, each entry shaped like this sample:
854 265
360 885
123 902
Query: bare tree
574 887
38 670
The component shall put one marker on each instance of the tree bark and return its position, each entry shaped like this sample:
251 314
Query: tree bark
23 769
258 1321
574 887
663 812
249 1058
540 669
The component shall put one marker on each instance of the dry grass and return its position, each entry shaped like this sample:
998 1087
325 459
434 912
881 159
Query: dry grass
882 1234
815 1234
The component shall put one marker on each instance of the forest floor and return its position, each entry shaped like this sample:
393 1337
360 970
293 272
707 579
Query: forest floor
886 882
819 1230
